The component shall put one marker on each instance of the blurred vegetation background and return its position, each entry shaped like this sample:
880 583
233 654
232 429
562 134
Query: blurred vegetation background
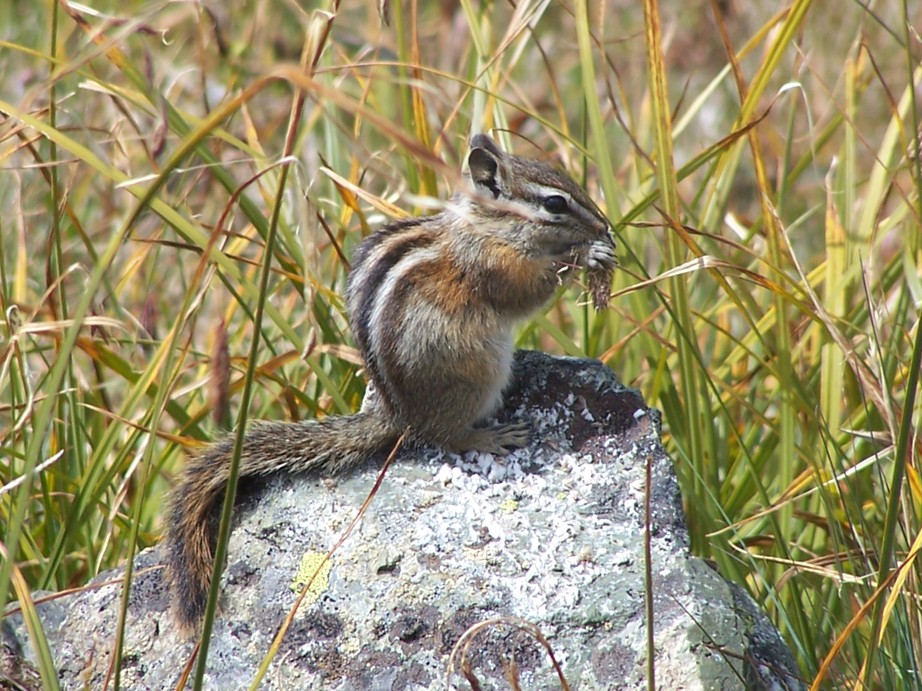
760 161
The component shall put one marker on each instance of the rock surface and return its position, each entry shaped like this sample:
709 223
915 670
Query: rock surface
550 537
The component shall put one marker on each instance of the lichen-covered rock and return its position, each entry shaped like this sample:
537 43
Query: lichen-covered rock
546 542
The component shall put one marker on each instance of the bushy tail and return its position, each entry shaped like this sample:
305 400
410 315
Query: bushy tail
332 444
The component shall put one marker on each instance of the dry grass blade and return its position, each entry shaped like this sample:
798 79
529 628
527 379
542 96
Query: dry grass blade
461 651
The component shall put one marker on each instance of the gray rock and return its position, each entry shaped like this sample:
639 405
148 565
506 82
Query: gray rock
549 537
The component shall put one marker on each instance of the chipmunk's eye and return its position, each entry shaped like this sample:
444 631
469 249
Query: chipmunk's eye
555 204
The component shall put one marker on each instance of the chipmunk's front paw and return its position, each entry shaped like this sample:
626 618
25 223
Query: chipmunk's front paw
601 255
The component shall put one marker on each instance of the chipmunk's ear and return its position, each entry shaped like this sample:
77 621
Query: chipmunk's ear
485 164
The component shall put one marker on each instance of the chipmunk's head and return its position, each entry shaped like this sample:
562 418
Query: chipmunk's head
542 205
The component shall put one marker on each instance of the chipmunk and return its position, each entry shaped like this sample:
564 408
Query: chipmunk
432 302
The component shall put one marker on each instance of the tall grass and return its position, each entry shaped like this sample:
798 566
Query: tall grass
173 254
